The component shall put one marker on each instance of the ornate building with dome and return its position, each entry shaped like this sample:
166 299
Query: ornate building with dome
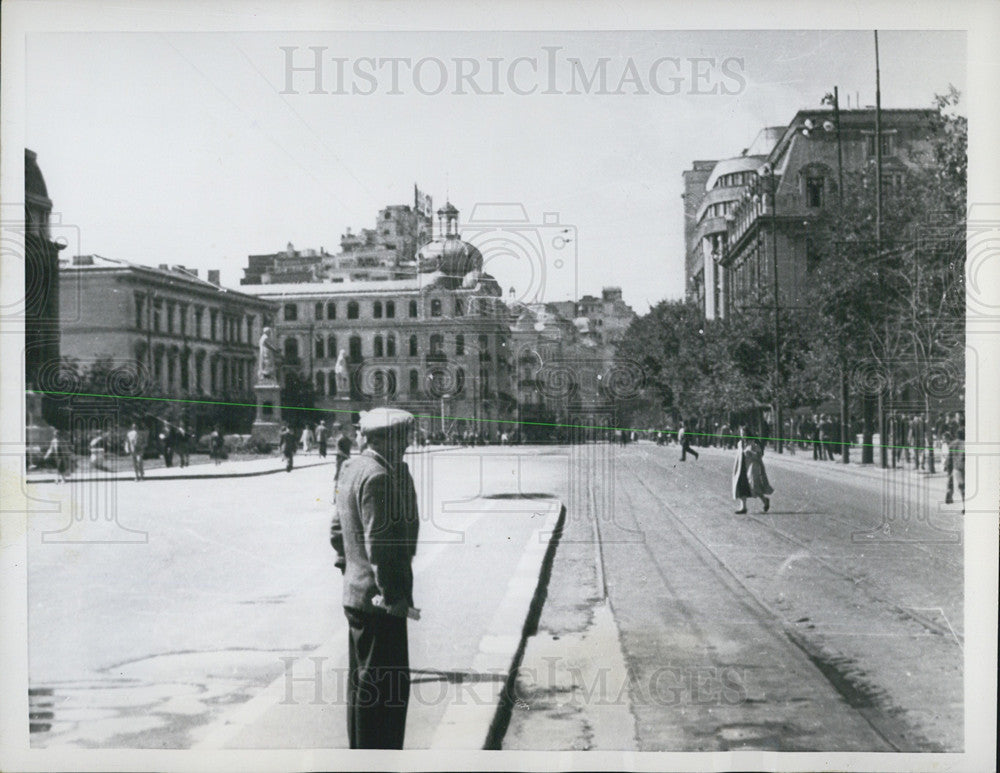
434 341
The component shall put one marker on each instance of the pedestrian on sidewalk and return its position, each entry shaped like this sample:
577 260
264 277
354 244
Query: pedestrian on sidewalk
307 439
749 475
167 445
182 444
59 452
288 446
98 449
135 447
954 465
322 434
344 444
216 446
685 440
374 533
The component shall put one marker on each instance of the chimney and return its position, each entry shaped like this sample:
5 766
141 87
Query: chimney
213 276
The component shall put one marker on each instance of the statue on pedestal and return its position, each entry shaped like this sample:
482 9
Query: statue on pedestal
343 376
268 357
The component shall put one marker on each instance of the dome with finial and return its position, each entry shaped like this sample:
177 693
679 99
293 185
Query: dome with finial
448 253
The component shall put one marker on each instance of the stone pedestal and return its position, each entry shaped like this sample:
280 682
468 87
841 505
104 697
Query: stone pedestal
267 422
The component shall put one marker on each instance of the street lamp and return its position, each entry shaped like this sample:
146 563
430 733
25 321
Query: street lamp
767 172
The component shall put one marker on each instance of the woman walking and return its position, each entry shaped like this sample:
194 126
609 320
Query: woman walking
59 452
749 475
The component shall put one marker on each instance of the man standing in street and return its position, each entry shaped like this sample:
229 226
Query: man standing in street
374 533
344 443
322 433
288 445
685 440
134 448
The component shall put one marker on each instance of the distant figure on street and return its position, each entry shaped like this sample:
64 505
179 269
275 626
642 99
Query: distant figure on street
374 533
135 448
749 475
288 446
98 448
59 452
167 444
306 439
216 446
685 440
344 445
182 445
954 465
322 434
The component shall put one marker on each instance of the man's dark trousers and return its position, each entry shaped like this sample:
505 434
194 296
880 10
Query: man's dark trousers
378 684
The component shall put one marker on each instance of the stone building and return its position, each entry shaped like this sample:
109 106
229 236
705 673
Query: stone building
435 343
41 278
168 332
740 226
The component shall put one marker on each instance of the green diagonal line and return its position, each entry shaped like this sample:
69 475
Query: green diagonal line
479 421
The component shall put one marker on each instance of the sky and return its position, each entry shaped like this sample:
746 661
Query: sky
181 148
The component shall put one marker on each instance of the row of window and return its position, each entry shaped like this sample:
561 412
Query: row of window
171 370
379 309
175 317
383 347
734 179
383 383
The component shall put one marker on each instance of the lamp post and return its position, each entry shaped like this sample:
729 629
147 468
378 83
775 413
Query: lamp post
767 172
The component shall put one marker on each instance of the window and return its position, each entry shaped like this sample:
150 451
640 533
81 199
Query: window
318 343
170 319
291 349
250 321
812 254
214 323
388 215
157 314
413 309
352 310
331 310
390 382
888 146
814 191
138 311
484 348
459 344
320 385
184 319
331 347
414 382
377 310
331 384
378 352
459 307
390 345
436 307
437 343
199 315
291 312
459 381
413 346
390 309
355 349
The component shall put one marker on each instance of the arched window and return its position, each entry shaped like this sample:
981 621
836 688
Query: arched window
352 310
331 347
390 382
378 352
437 343
318 311
332 384
320 386
484 348
413 346
459 381
377 309
414 383
436 307
319 347
331 310
355 349
459 307
390 309
291 349
413 309
390 345
459 345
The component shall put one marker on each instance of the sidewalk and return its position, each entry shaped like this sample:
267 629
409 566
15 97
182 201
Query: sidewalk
236 468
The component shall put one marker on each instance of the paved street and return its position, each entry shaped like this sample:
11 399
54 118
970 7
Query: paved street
832 622
820 625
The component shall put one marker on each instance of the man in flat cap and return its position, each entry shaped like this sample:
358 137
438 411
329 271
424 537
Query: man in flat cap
374 533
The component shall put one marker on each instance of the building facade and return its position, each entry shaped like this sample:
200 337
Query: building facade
758 209
436 343
168 332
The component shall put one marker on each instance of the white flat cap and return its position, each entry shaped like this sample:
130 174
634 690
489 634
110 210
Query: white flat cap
381 419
